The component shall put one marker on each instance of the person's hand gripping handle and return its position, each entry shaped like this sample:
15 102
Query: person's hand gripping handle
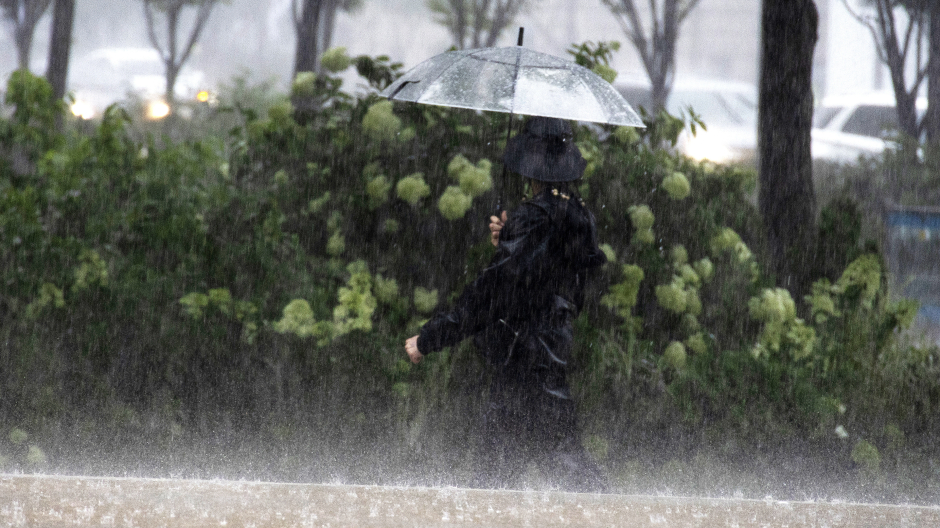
496 225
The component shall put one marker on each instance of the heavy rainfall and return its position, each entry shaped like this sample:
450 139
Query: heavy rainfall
316 262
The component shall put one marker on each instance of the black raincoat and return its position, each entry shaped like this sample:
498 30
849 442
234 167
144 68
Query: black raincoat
520 311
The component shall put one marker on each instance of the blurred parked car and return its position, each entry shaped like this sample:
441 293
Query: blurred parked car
847 127
110 75
728 109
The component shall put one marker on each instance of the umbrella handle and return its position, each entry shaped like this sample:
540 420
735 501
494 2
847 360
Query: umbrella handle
499 196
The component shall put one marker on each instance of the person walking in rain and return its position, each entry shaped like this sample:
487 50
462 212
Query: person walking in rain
520 311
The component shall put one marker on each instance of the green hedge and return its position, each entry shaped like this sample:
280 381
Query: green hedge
266 278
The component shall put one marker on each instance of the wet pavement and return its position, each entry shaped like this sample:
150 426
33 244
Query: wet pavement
52 501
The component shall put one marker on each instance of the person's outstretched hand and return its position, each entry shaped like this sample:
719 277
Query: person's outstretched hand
496 225
411 347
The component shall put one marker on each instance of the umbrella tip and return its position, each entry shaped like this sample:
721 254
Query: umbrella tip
521 31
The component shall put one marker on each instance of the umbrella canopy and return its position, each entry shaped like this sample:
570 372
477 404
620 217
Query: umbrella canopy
514 80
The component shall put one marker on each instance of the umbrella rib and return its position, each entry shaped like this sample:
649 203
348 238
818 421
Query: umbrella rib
604 108
546 67
483 59
592 92
475 54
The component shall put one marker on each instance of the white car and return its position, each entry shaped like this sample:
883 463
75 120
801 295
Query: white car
848 127
110 75
728 109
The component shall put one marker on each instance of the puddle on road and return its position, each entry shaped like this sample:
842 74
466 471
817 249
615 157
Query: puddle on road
47 501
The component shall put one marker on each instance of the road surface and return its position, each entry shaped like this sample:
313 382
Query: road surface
53 501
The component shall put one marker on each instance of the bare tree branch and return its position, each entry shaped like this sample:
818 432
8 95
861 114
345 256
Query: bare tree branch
327 24
629 21
655 39
480 9
895 47
654 17
170 53
503 15
25 15
877 37
152 28
295 16
460 21
205 9
687 8
484 20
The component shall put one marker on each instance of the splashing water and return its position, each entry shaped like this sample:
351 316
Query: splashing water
60 501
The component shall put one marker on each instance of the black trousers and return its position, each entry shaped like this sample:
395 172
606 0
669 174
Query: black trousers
530 418
526 427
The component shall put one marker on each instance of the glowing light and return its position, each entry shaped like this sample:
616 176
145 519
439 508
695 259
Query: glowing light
203 96
82 109
157 110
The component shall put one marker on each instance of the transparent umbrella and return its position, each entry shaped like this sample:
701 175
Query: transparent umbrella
514 80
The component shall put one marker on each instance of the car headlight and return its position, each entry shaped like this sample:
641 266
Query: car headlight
707 147
157 109
82 109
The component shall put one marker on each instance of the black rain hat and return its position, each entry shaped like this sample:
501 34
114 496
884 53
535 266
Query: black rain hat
545 151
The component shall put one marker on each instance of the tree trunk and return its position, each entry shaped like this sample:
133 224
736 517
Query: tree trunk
663 57
23 35
326 29
897 60
172 72
480 19
305 57
25 16
63 16
172 68
667 48
658 90
497 24
460 23
932 119
786 197
174 56
905 100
